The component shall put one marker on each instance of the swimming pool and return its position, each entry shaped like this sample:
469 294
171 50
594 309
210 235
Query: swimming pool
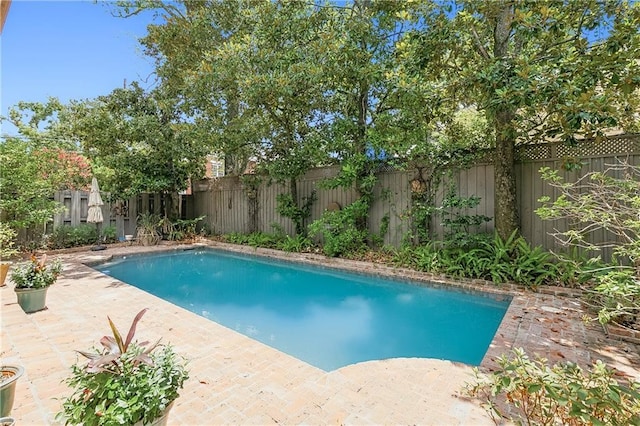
326 317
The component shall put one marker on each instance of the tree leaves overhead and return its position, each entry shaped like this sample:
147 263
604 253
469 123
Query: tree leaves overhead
570 68
539 70
138 140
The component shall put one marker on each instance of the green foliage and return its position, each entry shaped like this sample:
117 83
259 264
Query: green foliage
510 260
576 62
424 257
31 172
563 394
574 268
36 273
124 383
149 226
262 239
513 260
67 236
139 142
297 244
341 235
237 238
109 234
7 241
618 297
184 229
610 201
460 227
378 239
287 207
256 239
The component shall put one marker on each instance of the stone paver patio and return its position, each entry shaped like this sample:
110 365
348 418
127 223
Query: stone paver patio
237 380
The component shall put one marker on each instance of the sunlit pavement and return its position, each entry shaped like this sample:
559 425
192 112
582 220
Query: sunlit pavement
237 380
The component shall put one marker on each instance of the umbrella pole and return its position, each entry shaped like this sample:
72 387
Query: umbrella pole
98 245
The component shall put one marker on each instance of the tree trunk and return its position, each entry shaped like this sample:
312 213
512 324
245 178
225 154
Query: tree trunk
293 191
232 163
172 207
505 205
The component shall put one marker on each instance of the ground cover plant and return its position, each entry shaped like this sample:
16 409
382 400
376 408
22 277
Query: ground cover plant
513 260
532 392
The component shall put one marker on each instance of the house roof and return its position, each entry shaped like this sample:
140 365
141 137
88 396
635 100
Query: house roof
4 11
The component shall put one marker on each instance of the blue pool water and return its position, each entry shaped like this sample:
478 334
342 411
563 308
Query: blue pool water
325 317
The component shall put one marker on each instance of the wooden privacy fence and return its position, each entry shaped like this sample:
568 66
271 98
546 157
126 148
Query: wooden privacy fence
122 214
231 207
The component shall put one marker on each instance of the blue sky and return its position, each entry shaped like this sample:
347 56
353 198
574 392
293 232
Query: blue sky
69 50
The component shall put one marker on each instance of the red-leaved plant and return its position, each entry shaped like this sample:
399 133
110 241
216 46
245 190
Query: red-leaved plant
125 382
115 348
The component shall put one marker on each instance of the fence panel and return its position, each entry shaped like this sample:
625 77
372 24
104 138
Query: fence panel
227 207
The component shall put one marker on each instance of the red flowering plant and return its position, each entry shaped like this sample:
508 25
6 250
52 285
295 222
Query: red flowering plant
64 169
36 273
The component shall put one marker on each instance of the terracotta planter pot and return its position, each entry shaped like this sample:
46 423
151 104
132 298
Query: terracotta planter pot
10 376
4 269
32 300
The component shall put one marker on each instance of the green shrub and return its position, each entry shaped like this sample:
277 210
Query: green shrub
256 239
459 226
288 207
262 239
511 260
496 260
602 201
340 232
618 296
297 244
237 238
7 241
67 236
421 258
532 393
109 234
182 229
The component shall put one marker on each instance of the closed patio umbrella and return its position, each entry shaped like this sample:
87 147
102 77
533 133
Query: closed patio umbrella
94 215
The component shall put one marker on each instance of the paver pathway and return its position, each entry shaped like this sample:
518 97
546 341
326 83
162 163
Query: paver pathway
237 380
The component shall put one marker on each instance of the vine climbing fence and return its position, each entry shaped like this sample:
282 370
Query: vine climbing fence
230 206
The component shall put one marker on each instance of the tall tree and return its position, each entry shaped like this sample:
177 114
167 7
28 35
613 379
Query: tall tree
36 164
139 141
188 46
282 83
358 63
539 70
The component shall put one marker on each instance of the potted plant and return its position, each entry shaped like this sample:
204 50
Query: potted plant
7 249
147 230
32 281
124 383
10 376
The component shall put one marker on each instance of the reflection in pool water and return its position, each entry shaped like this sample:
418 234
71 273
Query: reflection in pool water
325 317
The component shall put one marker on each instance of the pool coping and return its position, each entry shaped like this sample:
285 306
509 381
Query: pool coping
506 336
320 262
237 380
